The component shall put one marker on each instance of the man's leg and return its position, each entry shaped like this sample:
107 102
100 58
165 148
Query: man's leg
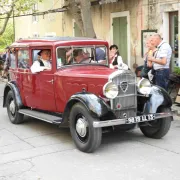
162 78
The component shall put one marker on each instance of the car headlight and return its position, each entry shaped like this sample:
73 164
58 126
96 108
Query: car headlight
110 90
144 86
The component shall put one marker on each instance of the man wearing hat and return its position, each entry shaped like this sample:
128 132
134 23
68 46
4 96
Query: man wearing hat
43 62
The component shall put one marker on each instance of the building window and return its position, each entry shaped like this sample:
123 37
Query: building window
34 10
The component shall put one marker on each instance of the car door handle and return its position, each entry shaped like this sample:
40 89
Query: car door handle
51 81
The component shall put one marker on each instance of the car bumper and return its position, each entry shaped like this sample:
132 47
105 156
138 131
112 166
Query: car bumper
132 120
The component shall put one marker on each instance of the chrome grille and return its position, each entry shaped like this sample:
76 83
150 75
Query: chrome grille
126 101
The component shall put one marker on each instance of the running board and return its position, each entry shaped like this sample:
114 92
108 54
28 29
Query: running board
41 116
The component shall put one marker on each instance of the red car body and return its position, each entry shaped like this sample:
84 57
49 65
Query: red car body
35 90
86 97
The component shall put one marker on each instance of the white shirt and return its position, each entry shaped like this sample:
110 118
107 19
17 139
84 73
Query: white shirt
164 50
37 68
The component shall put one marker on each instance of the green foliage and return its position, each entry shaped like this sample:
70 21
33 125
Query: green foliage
19 6
8 8
7 37
22 6
177 71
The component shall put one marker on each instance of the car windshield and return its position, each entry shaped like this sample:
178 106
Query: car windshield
82 55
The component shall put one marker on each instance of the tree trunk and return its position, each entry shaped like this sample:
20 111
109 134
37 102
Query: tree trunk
87 19
81 12
5 22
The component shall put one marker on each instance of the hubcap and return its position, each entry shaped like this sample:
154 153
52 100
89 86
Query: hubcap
81 127
12 107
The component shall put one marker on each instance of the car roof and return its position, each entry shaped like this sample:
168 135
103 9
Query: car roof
49 41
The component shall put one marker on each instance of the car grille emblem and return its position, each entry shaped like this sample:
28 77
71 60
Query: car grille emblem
124 86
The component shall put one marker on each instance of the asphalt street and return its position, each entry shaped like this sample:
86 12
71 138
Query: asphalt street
36 150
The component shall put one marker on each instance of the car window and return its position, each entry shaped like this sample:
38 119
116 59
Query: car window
12 58
81 55
23 59
35 55
62 55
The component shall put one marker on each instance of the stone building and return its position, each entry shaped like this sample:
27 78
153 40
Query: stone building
126 23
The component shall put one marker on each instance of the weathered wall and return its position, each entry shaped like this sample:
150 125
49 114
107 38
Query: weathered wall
144 14
47 24
101 15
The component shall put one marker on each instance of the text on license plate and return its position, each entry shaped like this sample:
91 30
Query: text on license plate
138 119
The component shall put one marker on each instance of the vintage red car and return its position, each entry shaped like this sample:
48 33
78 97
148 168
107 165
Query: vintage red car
86 96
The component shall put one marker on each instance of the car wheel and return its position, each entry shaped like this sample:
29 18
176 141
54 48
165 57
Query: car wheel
85 136
158 128
12 109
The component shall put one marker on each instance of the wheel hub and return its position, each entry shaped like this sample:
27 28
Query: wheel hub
12 107
81 127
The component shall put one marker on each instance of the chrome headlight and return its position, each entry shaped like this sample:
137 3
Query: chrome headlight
144 86
110 90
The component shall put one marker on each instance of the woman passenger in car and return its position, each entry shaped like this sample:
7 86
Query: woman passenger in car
113 54
43 63
115 58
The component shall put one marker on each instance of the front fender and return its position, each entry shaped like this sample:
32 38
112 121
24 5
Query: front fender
158 97
11 86
95 105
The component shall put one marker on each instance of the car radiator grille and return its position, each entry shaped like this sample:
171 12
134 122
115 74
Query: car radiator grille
125 104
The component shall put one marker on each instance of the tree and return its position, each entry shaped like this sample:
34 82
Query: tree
8 8
7 37
81 11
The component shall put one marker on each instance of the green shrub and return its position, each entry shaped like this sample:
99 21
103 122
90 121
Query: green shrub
177 70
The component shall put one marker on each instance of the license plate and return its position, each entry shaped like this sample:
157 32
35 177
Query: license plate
139 119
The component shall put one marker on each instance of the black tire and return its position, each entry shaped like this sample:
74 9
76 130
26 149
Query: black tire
91 139
14 116
158 128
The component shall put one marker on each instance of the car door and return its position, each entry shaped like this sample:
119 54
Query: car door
42 96
45 90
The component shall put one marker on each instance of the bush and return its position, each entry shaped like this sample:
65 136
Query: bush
177 71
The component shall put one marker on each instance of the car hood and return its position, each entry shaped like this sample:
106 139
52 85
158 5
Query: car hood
72 80
86 71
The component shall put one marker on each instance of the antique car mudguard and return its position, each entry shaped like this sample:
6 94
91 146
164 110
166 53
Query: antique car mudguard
12 86
167 99
95 105
158 97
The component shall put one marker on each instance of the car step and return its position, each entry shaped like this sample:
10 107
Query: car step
41 116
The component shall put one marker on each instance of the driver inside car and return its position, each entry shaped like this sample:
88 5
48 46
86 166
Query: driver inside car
42 63
80 56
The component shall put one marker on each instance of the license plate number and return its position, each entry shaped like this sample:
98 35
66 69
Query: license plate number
139 119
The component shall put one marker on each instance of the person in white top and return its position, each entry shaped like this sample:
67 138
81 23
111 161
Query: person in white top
43 62
161 61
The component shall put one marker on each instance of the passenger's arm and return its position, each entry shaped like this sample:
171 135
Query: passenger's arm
35 68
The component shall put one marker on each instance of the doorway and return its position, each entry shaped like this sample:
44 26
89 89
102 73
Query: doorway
120 34
173 38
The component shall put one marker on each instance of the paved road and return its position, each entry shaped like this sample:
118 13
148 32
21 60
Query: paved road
37 150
